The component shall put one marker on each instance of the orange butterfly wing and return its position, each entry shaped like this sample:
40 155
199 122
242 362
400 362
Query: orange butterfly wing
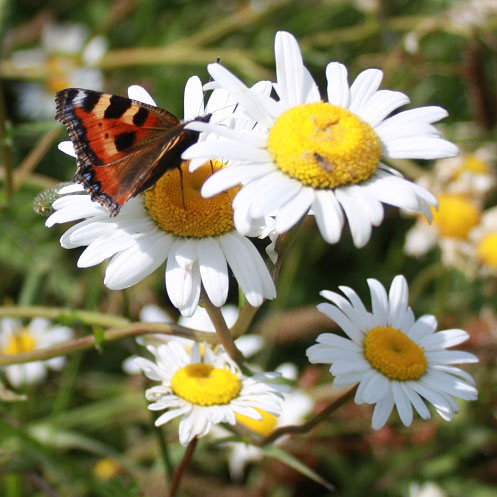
122 146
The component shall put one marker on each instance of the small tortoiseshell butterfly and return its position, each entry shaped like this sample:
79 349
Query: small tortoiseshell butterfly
122 146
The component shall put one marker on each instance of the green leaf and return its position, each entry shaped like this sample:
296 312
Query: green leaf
286 458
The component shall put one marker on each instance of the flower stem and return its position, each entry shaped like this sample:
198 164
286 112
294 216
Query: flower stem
222 331
182 466
110 335
306 427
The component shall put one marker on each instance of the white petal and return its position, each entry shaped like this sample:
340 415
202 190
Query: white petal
362 89
403 404
360 227
382 412
67 147
338 86
248 268
294 210
258 106
381 104
139 94
289 69
135 263
329 215
213 270
183 277
193 99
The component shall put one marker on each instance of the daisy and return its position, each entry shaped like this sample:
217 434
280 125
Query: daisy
461 185
68 55
452 224
39 334
398 361
323 157
205 389
170 221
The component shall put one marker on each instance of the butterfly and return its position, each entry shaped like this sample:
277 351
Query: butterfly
122 146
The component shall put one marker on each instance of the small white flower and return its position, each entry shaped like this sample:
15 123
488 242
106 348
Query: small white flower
39 334
398 361
67 54
170 221
320 157
205 389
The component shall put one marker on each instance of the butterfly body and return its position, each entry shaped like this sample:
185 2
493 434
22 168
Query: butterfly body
122 146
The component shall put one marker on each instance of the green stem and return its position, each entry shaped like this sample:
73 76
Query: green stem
6 150
110 335
63 315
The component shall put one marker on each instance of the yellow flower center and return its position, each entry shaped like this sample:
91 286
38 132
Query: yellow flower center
473 164
487 250
175 203
394 354
106 468
324 146
20 342
263 427
204 385
456 216
59 68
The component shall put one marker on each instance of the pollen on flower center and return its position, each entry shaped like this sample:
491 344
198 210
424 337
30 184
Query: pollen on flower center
487 250
264 426
456 216
324 146
204 385
20 343
394 354
176 205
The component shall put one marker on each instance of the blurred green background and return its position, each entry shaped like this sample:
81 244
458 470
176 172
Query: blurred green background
439 52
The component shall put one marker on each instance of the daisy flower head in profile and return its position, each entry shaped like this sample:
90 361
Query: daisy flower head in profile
397 360
18 339
170 221
205 389
321 157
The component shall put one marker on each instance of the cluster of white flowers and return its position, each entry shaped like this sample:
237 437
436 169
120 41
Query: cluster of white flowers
263 164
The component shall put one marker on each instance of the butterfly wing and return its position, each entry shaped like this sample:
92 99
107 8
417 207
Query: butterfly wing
122 146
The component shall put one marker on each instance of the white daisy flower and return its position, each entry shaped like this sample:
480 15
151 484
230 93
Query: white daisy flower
452 223
170 221
68 55
39 334
205 389
323 157
398 361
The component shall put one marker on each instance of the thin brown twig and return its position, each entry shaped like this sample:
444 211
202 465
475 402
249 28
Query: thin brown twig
28 165
182 466
306 427
222 331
